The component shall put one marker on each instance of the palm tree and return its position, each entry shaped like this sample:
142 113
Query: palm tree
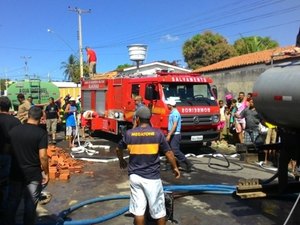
251 44
71 69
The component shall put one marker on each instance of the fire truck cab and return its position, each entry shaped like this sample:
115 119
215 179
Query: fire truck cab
113 101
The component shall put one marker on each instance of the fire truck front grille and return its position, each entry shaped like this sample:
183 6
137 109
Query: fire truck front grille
196 120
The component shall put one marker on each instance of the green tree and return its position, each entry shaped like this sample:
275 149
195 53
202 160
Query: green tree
251 44
120 68
2 84
72 69
205 49
173 63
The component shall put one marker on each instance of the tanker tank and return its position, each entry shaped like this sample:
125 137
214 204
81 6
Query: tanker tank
39 90
276 95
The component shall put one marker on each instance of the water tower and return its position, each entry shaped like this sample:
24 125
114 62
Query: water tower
137 53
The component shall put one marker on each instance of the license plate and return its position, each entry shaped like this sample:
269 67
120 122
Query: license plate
197 138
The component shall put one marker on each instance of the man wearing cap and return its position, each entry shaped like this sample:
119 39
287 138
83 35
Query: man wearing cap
174 136
52 117
144 143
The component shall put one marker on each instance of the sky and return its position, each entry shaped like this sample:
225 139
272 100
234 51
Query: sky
37 36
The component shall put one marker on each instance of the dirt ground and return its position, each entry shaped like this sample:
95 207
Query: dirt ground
105 179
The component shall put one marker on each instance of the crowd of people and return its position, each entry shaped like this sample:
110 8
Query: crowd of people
240 121
27 168
23 150
24 160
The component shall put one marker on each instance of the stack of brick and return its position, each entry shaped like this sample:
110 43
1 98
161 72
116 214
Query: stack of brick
61 165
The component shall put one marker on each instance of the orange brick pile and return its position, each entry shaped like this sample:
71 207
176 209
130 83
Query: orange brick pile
61 164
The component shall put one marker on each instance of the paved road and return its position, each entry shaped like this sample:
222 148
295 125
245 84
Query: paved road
189 208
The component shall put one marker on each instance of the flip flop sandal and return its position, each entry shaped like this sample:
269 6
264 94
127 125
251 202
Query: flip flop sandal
45 197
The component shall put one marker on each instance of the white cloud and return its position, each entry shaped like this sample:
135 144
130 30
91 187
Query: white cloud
169 38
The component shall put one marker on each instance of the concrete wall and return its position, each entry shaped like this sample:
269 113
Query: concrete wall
236 80
73 91
242 78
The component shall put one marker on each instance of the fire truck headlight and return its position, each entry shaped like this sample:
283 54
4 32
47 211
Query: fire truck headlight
215 118
117 115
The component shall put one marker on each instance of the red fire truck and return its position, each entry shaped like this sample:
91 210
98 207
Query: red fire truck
113 101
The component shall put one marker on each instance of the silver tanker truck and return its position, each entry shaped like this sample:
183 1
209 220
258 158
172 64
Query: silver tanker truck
276 95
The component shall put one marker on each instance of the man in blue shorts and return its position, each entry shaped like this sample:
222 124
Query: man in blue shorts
144 143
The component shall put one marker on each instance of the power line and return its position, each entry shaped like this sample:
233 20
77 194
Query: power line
187 24
61 38
238 9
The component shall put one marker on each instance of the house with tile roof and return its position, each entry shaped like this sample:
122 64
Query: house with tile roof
239 73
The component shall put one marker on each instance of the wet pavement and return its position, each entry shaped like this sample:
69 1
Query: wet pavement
103 179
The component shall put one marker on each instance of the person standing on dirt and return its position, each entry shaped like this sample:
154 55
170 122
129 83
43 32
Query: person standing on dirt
174 136
7 122
240 124
144 143
92 61
71 116
29 169
252 118
52 118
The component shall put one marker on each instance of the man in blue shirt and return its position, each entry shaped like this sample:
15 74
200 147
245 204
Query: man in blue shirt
71 112
174 136
144 144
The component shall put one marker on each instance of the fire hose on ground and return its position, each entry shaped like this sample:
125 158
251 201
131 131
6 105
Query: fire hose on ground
63 218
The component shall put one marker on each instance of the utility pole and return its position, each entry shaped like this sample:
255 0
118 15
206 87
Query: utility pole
26 58
79 12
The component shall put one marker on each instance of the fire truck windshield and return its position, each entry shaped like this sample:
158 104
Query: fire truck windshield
189 93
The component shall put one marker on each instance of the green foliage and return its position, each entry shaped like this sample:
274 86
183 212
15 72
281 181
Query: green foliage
120 68
72 69
251 44
205 49
173 63
2 84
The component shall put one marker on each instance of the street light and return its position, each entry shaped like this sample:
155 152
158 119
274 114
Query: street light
61 38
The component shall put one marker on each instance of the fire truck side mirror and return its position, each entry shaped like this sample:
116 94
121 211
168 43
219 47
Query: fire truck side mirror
214 91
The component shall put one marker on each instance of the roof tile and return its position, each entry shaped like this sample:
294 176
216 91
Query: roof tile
248 59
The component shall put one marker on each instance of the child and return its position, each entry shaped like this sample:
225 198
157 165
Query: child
222 121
